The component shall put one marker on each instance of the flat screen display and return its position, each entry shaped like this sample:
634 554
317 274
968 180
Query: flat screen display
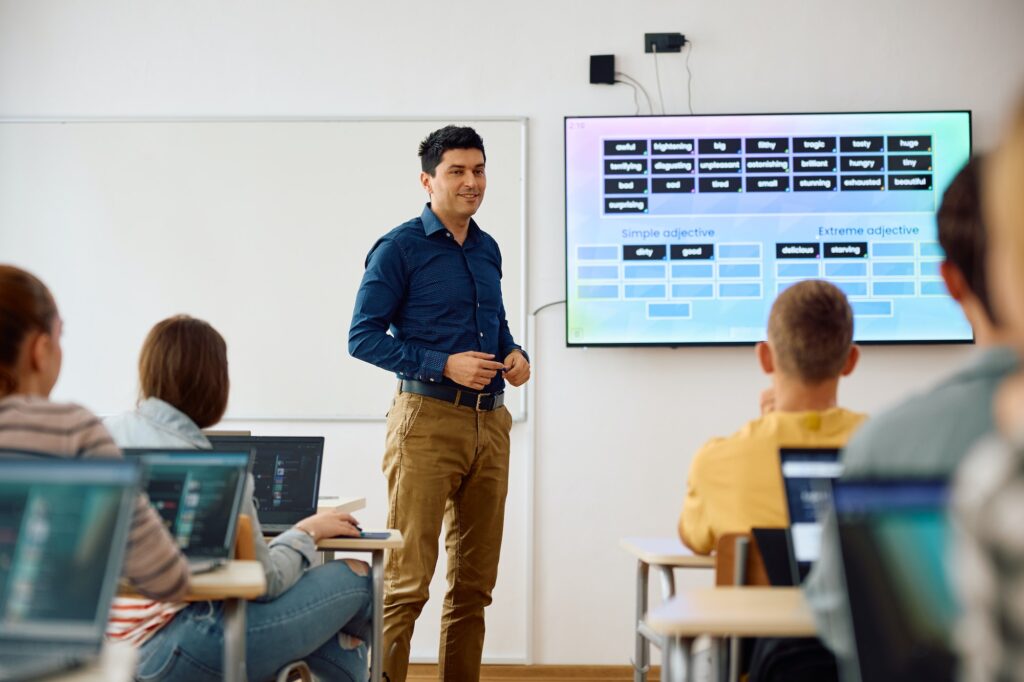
683 229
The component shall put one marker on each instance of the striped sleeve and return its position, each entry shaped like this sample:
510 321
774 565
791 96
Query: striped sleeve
153 563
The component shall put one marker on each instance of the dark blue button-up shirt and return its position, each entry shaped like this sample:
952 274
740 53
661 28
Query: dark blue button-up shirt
436 297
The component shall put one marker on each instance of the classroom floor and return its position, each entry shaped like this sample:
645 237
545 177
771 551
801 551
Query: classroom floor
540 673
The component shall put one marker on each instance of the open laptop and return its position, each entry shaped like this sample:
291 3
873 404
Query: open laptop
198 493
807 476
894 539
287 472
63 528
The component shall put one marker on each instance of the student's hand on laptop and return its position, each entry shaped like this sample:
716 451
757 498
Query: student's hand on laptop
767 401
330 523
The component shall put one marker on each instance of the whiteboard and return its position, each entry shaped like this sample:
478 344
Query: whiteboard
260 227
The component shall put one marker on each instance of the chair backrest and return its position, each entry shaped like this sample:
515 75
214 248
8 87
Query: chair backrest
731 550
245 548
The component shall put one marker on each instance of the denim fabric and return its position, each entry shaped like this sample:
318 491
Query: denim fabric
438 298
308 622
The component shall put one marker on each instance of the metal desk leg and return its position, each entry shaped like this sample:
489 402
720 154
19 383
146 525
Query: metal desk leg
234 640
642 652
668 581
377 650
677 660
720 653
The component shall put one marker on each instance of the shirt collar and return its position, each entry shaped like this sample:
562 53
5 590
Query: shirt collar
432 224
171 418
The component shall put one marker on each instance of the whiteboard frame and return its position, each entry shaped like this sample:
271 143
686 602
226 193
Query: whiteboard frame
522 415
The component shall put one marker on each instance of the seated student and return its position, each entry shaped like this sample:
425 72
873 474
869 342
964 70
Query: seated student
30 361
319 615
988 498
735 483
929 434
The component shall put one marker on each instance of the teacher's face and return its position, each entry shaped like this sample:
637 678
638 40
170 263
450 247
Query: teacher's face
457 187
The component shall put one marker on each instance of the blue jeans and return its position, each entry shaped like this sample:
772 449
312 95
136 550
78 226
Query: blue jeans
310 622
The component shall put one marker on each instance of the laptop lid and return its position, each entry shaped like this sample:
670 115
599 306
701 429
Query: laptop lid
807 476
63 528
894 537
198 494
287 472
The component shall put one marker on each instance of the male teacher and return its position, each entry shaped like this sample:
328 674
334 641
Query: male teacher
435 282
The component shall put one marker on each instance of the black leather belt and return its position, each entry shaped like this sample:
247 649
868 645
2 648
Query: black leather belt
481 402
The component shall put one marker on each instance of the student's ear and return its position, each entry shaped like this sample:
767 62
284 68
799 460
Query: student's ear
955 281
39 351
851 361
765 358
425 179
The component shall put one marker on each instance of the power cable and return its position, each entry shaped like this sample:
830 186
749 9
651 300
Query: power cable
657 76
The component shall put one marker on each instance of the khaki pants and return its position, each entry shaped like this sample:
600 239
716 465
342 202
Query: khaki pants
443 462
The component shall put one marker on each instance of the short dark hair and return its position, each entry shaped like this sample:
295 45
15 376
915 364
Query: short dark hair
810 328
184 362
962 232
434 145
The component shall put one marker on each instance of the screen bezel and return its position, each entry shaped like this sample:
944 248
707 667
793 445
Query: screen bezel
269 517
715 344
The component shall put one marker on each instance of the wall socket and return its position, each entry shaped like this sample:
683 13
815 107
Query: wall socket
664 42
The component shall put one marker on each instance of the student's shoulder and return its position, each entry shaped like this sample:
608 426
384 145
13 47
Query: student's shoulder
753 431
40 409
917 432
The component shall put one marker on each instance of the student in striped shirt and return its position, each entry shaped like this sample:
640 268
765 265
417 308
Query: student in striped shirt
320 614
30 361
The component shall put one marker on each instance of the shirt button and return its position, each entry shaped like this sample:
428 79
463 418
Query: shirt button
433 379
477 305
481 335
449 234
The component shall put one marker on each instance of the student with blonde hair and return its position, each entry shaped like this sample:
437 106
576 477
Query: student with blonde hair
735 483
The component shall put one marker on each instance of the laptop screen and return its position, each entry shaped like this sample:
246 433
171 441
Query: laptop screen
198 494
63 528
807 476
287 473
895 542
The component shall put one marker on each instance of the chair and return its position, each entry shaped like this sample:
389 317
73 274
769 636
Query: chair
738 561
245 547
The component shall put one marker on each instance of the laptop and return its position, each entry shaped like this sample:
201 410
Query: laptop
287 472
807 476
63 528
895 543
198 494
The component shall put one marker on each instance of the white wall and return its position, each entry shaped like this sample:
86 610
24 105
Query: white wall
614 428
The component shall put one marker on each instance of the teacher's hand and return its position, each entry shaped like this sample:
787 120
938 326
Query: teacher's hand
517 368
472 369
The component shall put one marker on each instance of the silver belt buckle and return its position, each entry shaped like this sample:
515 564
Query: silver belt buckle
478 397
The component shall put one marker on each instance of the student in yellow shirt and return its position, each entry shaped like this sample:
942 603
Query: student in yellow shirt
735 483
